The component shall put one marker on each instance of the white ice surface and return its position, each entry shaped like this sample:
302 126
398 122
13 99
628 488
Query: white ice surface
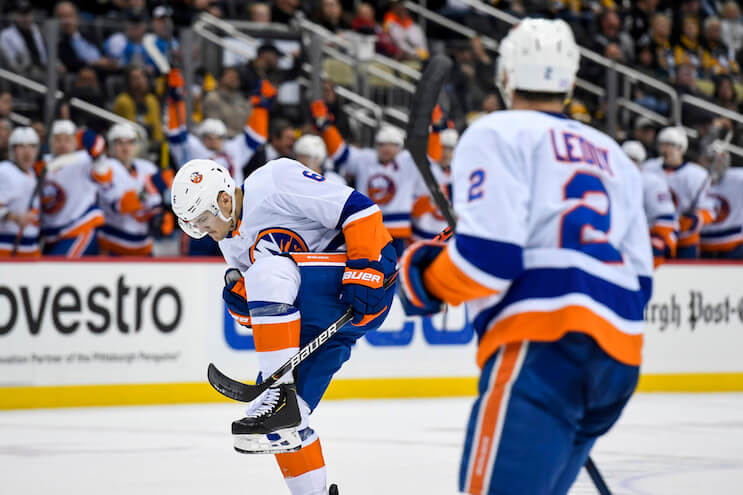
664 444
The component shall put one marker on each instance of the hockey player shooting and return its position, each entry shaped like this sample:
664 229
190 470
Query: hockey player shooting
551 253
689 185
19 199
302 251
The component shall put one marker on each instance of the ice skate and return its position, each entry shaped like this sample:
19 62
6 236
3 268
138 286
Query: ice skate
270 426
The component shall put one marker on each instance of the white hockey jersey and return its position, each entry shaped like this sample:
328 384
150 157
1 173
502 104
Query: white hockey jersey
70 196
689 185
726 231
287 207
551 235
128 233
16 188
234 155
393 186
427 221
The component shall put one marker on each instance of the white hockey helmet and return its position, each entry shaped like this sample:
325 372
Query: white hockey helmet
212 127
21 135
63 127
635 150
121 131
195 190
449 138
389 134
537 55
311 146
675 136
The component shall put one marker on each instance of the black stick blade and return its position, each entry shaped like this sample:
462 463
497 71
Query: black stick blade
233 389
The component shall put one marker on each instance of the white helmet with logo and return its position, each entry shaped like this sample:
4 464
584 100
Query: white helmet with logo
195 190
449 138
312 147
635 150
122 131
389 134
537 55
212 127
63 127
21 135
675 136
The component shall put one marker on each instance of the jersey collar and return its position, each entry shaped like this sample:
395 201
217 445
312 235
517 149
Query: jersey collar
236 232
669 168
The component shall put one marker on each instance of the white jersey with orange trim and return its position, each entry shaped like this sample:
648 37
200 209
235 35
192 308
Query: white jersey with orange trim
551 235
726 231
70 196
16 188
658 201
392 186
688 183
128 233
427 221
287 207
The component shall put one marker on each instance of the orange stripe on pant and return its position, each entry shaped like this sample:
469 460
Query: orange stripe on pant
491 420
276 336
111 246
307 459
549 326
79 246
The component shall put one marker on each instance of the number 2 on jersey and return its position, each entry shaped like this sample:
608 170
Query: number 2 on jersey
476 179
582 216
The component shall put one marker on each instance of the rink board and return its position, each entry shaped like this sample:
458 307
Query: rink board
143 332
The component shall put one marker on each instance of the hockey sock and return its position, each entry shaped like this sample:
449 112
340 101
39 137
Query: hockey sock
276 329
304 471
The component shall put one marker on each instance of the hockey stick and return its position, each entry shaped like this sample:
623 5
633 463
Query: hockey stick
150 46
427 94
243 392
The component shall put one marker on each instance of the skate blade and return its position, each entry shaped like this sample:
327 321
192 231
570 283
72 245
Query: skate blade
278 442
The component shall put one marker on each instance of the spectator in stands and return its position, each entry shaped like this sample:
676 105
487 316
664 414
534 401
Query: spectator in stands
688 50
87 88
610 34
280 143
334 107
74 50
330 15
259 12
5 129
719 58
472 76
637 22
725 95
732 26
685 82
365 23
283 11
22 44
138 104
660 39
227 103
691 9
645 131
406 34
127 48
162 28
6 104
265 65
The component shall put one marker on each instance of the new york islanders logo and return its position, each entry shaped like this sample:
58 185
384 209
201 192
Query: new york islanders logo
276 240
196 177
53 197
722 208
381 189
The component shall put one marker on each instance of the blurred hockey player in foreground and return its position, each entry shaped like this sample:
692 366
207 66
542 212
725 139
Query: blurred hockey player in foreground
19 224
552 255
302 250
689 185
